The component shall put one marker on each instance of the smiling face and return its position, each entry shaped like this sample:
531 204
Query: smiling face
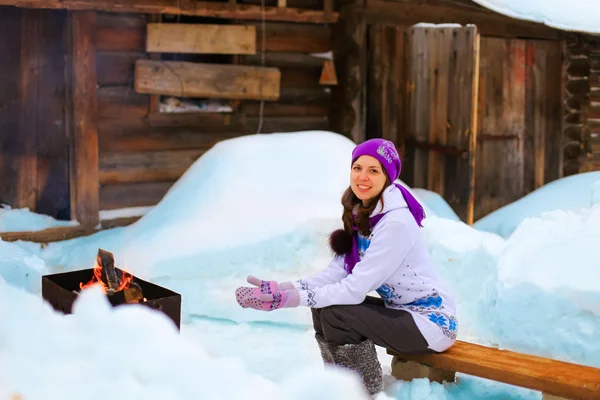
367 178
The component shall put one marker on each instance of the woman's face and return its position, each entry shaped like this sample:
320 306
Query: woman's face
367 178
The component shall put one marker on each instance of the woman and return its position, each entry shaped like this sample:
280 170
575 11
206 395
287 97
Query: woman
380 248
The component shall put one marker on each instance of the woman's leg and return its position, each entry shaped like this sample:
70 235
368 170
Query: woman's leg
323 348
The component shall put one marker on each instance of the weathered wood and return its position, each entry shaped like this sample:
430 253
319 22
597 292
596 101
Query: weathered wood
117 67
282 60
64 232
137 135
408 12
149 166
27 182
251 109
348 114
500 163
84 157
118 196
106 261
289 124
120 39
51 136
442 84
116 102
199 9
200 38
187 79
298 38
10 48
549 376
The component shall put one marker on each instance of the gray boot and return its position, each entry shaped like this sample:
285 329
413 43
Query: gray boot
361 358
325 353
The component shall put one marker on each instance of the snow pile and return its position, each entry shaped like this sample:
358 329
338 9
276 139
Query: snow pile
19 267
549 287
137 350
434 204
21 219
576 15
572 193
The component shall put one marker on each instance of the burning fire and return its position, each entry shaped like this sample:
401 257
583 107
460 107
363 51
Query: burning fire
126 279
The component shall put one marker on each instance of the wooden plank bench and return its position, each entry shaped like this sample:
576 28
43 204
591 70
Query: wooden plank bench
555 379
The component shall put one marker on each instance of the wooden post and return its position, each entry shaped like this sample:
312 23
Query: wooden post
84 134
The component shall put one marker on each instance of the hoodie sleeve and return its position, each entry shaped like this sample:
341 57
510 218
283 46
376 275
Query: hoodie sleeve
389 246
335 272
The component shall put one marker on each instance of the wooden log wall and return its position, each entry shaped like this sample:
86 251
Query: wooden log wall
581 147
142 151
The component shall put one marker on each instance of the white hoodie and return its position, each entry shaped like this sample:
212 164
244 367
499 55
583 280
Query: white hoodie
394 262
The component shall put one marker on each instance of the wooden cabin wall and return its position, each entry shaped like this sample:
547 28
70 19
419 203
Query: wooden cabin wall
143 151
520 109
34 171
582 103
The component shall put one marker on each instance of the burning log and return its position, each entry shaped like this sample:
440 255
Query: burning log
118 285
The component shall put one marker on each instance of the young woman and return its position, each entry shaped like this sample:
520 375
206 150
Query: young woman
380 249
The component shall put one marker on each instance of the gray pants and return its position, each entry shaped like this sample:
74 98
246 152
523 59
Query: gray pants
352 324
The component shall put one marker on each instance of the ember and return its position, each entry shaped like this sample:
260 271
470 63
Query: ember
121 288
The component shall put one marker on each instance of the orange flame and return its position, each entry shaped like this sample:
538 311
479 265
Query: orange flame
126 279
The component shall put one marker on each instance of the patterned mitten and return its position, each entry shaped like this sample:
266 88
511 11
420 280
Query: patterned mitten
269 286
254 298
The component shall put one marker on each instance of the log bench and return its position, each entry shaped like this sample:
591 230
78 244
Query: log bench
555 379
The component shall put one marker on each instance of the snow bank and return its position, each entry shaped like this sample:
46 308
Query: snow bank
571 193
434 204
51 356
21 219
20 268
576 15
549 287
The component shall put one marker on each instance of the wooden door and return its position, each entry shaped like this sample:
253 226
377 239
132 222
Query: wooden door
442 75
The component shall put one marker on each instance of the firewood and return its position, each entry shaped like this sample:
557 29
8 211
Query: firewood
110 277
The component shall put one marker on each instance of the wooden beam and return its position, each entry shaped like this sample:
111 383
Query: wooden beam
65 232
201 38
489 23
150 166
198 9
186 79
84 157
546 375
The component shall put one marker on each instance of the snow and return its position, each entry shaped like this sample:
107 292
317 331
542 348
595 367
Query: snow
21 219
572 193
124 212
263 205
576 15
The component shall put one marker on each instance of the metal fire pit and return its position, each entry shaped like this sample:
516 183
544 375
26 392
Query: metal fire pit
61 291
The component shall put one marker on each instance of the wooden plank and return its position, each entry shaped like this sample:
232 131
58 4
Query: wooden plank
65 232
289 124
294 38
53 196
409 12
84 158
375 83
117 67
251 109
185 79
546 375
116 102
200 38
137 135
10 48
27 182
199 9
114 197
119 38
281 60
500 163
149 166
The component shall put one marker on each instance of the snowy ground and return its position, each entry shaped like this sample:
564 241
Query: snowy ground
214 228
